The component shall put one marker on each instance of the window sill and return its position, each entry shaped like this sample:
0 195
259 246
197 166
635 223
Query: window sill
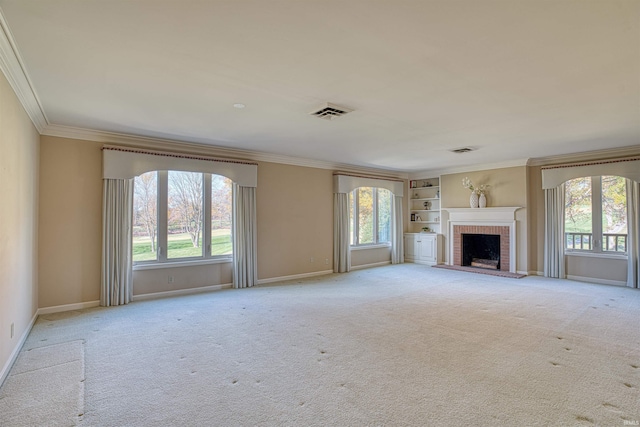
362 247
602 255
185 263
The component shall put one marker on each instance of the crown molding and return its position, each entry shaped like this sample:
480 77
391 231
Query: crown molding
610 153
13 68
205 149
468 168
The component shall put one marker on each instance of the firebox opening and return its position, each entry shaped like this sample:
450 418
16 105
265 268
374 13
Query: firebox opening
481 250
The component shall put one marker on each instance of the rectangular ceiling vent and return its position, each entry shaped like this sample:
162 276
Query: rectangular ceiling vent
462 150
329 111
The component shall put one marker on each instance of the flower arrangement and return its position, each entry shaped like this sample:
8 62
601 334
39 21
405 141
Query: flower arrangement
466 183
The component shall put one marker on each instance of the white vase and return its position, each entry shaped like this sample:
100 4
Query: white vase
482 201
473 199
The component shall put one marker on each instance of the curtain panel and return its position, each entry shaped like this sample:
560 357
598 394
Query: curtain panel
397 236
245 272
116 282
341 250
633 233
554 265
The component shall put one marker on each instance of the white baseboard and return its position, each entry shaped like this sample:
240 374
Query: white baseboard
14 354
535 273
375 264
68 307
178 292
294 277
598 281
526 273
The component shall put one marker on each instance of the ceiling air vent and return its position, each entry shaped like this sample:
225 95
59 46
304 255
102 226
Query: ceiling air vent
462 150
329 111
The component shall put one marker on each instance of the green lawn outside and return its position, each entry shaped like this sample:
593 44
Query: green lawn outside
180 246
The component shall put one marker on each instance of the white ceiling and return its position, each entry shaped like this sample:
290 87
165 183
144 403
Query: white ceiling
512 79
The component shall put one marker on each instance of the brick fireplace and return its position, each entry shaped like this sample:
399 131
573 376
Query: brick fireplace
500 221
502 231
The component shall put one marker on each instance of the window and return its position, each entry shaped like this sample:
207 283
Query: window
181 216
596 214
370 216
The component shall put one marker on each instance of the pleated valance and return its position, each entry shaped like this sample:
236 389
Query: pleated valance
552 176
126 163
346 183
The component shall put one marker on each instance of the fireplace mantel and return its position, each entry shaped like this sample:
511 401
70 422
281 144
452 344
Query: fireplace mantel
495 217
502 213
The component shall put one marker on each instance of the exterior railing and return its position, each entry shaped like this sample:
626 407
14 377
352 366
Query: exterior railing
611 242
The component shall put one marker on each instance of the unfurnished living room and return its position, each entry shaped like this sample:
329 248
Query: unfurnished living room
338 213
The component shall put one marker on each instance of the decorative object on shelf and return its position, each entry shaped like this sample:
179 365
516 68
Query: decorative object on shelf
418 218
416 196
427 205
427 184
474 200
413 184
426 229
482 201
438 194
413 217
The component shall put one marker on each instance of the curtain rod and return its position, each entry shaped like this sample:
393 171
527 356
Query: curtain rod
602 162
368 176
177 155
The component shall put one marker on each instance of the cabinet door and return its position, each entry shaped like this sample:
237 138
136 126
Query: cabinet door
409 247
428 248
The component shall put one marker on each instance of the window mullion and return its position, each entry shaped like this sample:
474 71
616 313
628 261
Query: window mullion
163 200
596 212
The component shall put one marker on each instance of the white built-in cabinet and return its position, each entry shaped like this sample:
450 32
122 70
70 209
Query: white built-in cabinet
424 205
423 243
423 248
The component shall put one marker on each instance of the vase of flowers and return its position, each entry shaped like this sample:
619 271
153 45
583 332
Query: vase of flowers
477 197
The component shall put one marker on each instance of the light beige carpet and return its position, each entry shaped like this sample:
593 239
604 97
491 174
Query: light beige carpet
403 345
45 386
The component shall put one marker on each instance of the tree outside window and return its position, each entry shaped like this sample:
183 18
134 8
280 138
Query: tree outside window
370 216
186 230
596 214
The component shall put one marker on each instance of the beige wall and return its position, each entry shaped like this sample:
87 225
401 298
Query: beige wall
70 221
508 187
295 224
19 144
295 220
367 257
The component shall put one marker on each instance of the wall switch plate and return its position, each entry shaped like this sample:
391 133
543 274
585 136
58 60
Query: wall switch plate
12 328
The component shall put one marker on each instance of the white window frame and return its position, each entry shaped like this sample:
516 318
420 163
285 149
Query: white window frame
162 261
355 226
596 227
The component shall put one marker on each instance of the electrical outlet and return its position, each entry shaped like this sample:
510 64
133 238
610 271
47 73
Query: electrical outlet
170 280
12 329
326 261
311 259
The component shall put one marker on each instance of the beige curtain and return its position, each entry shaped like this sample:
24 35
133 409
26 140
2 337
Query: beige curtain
341 250
633 233
397 237
116 282
245 272
554 265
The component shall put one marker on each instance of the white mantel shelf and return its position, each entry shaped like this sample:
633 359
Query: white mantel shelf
500 213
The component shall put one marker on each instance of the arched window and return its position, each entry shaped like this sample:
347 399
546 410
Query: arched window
596 214
181 216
